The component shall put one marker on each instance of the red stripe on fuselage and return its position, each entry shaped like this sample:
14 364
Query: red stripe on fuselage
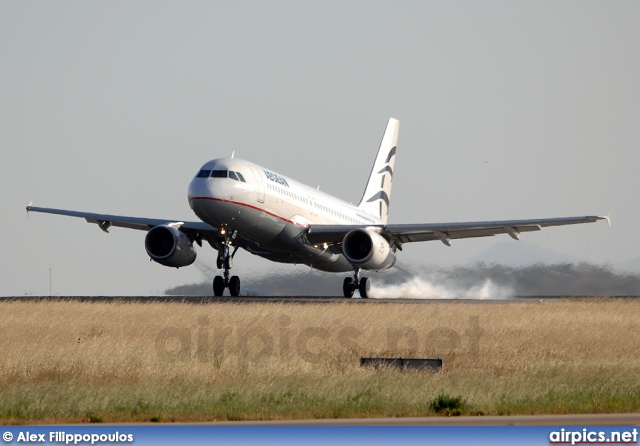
255 208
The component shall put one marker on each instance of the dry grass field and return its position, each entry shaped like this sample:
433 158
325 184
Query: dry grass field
69 362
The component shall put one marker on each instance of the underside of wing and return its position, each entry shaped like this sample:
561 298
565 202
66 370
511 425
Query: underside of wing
106 221
445 232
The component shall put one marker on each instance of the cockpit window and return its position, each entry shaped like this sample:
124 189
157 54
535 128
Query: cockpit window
218 174
237 176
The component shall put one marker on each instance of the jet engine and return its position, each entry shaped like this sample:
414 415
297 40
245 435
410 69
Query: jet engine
169 246
367 249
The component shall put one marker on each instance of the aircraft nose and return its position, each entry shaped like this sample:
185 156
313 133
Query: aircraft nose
198 188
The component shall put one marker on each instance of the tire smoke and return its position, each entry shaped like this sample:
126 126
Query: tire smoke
419 288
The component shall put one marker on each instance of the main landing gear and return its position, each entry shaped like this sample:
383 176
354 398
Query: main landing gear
225 261
350 285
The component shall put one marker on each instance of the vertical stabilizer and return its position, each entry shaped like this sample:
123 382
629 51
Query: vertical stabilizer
375 200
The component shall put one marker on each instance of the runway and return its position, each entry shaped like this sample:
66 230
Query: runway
625 419
294 299
241 299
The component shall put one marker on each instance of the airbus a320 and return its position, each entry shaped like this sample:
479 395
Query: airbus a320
243 205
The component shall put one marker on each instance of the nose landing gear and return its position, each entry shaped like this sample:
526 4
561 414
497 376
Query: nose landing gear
225 261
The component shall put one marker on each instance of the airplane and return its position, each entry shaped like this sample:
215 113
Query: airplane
243 205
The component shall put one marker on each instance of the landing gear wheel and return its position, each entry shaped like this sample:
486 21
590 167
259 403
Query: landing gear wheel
348 287
224 261
365 286
218 286
234 286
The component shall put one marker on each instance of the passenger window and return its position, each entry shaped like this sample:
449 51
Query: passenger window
218 174
240 177
233 176
204 173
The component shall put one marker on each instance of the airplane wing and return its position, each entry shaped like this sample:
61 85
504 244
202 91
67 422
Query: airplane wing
445 232
105 221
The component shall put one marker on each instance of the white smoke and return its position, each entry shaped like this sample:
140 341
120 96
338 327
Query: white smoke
418 288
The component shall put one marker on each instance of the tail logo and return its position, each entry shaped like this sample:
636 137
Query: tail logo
382 194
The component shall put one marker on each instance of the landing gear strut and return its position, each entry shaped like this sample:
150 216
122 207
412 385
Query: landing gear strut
350 285
225 261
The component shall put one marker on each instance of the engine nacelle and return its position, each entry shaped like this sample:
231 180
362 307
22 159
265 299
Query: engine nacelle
169 246
367 249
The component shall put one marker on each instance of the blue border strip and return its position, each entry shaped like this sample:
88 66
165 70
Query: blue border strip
123 435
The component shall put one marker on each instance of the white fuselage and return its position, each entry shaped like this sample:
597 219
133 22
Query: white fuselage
271 212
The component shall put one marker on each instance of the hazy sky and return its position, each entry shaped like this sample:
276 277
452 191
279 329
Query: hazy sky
507 110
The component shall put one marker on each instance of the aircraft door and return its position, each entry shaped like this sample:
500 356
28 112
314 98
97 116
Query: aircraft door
312 206
259 179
